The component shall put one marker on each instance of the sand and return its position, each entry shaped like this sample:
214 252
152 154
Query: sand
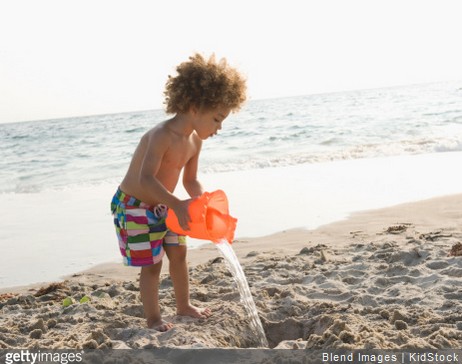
382 279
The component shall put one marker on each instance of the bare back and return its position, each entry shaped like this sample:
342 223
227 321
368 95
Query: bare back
162 153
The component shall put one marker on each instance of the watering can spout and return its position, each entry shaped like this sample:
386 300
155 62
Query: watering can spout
210 219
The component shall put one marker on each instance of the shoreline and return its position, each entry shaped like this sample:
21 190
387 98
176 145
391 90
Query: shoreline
334 234
71 229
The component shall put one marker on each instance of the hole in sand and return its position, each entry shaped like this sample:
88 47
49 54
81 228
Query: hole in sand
289 329
292 329
296 333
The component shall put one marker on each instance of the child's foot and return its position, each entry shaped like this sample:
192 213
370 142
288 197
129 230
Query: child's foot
194 311
160 325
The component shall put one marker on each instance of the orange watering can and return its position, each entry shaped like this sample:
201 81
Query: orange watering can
210 219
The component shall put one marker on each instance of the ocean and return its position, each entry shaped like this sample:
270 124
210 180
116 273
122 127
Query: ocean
89 150
284 163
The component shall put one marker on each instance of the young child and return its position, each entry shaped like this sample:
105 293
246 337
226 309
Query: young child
201 96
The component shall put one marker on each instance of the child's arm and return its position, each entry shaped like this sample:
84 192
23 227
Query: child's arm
157 145
190 181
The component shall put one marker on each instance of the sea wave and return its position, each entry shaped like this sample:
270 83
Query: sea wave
407 120
372 150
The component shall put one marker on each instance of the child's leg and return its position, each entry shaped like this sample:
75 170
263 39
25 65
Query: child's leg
180 278
149 289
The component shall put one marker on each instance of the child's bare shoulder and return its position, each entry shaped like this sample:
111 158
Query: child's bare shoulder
160 131
159 135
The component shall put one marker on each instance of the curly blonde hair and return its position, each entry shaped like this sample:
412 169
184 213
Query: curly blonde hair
205 84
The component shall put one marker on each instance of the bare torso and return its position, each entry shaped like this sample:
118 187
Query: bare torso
180 149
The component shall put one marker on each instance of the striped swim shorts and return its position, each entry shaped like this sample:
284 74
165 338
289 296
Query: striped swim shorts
141 230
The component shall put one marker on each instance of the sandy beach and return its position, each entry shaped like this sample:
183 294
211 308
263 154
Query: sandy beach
383 279
334 129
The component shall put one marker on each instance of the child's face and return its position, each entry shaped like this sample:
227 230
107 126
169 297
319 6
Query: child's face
210 121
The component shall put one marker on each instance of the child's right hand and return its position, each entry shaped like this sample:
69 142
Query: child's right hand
182 213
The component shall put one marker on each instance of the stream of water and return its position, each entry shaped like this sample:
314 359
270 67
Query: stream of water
242 285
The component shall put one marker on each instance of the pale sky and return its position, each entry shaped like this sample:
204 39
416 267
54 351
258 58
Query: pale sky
60 58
